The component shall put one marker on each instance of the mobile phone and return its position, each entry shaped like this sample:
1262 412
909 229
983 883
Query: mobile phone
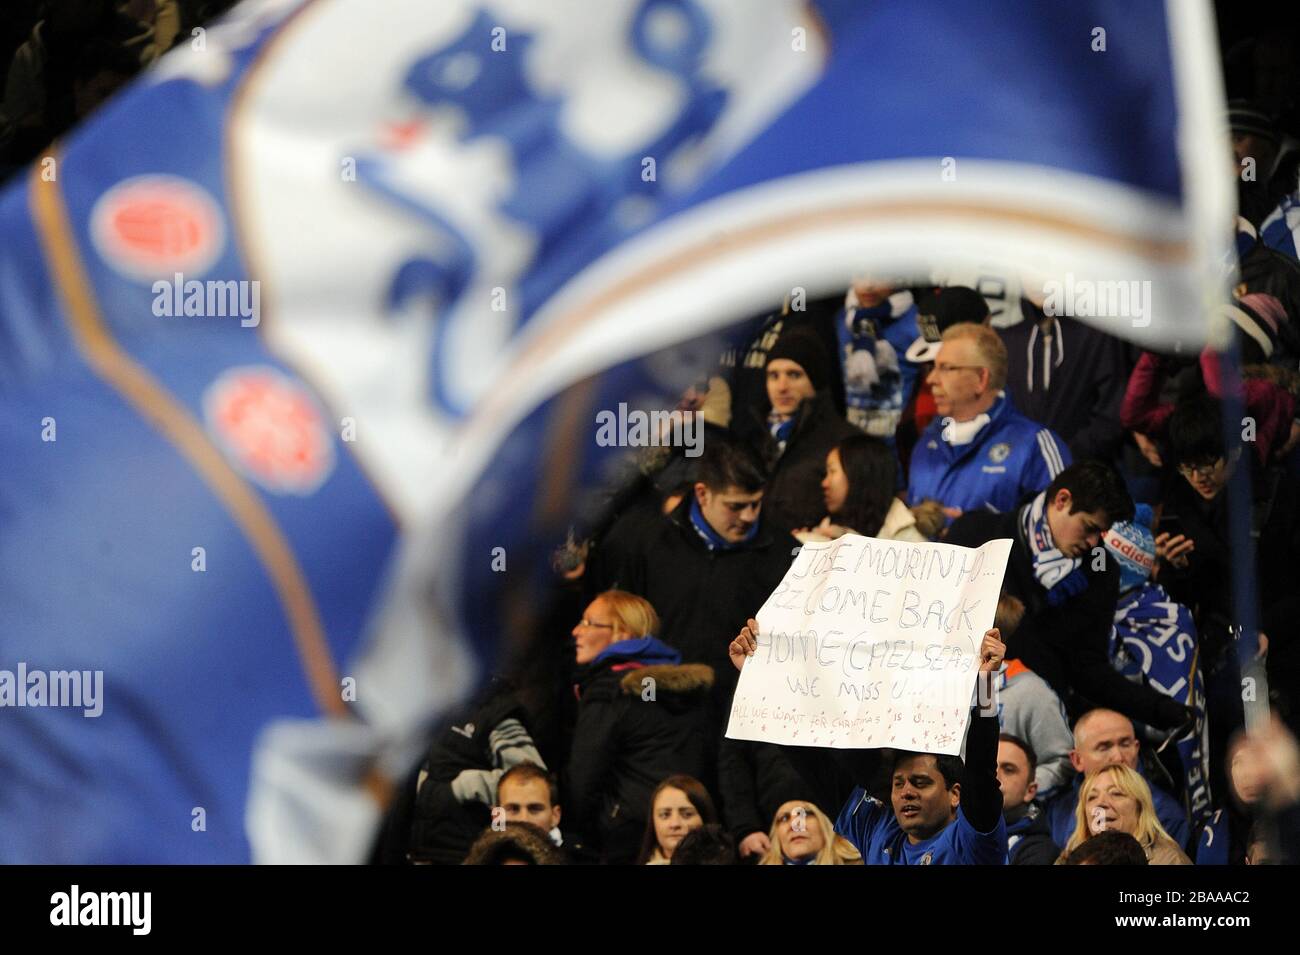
1172 525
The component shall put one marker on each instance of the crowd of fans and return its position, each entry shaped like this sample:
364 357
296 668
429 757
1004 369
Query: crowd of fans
892 412
1122 674
897 412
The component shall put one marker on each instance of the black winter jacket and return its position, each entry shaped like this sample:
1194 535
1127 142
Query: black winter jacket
793 496
1080 399
442 827
1029 839
756 779
704 597
630 735
1067 645
1206 583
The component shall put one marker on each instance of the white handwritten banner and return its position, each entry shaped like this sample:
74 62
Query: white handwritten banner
869 643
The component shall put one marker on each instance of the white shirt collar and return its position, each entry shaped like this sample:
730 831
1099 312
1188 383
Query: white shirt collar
958 433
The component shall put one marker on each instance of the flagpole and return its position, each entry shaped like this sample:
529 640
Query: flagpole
1242 535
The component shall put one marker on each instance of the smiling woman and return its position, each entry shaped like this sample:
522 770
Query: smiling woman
680 804
1117 797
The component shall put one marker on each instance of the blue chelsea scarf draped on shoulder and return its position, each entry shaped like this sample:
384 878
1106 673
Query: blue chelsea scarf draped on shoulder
1062 577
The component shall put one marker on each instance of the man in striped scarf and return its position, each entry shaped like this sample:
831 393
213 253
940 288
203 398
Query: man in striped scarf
1069 585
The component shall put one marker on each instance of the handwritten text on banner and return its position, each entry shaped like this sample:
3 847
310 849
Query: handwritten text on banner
869 643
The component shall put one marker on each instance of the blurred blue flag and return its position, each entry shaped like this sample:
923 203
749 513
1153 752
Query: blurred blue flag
304 335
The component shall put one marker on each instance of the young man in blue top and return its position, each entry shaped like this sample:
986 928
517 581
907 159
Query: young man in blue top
979 453
943 813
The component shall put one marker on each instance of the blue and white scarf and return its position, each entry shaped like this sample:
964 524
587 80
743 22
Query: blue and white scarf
1062 577
781 428
873 376
712 539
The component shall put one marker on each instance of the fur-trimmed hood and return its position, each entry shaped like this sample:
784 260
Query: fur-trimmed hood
683 679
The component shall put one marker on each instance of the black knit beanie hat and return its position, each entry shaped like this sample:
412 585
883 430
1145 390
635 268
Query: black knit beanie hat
804 349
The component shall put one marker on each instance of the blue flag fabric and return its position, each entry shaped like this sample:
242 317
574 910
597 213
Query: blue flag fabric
1280 229
305 332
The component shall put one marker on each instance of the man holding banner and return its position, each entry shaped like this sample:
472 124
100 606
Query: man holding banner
944 811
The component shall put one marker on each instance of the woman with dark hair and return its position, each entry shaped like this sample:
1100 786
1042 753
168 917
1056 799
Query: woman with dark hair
858 491
680 804
519 843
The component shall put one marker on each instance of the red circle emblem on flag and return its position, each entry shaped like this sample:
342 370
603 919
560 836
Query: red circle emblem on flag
150 226
271 428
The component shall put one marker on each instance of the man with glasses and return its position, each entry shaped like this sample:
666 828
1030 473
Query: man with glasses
1194 564
937 311
979 453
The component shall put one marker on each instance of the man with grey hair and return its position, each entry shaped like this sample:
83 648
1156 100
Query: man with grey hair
979 452
1104 738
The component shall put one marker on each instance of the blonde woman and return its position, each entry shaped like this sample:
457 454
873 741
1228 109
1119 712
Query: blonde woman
642 716
1117 797
803 835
